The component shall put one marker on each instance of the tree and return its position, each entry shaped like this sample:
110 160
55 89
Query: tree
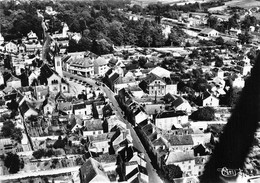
59 143
172 171
39 153
219 41
13 163
219 62
203 114
7 128
212 22
17 134
244 38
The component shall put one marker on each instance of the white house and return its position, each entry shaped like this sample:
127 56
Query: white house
2 40
80 109
166 120
209 100
14 82
185 160
100 66
93 127
11 47
83 67
208 32
239 82
32 36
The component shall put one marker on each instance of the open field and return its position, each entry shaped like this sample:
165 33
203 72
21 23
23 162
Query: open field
146 2
238 3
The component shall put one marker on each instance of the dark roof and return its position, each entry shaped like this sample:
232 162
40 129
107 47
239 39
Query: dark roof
24 107
66 58
89 170
79 106
109 71
169 114
113 61
132 173
176 140
177 102
114 77
10 96
46 71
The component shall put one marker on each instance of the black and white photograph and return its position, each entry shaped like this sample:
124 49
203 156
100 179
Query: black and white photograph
131 91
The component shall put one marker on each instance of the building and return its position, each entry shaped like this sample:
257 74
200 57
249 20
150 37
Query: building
100 66
54 81
167 120
11 47
83 67
153 85
27 110
13 82
93 127
32 36
209 100
208 32
92 172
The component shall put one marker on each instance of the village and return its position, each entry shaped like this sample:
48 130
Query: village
137 114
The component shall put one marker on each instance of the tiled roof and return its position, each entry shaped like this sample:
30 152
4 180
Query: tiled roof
79 106
82 62
180 156
176 140
46 71
93 125
100 61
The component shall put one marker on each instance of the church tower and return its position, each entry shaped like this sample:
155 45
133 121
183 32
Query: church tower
58 65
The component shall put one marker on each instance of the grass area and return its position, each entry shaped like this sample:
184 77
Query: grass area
243 3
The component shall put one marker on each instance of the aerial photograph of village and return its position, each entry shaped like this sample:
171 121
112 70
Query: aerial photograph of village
134 91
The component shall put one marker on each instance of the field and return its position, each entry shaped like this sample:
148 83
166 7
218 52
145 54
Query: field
146 2
238 3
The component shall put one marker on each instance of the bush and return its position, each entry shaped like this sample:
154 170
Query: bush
203 114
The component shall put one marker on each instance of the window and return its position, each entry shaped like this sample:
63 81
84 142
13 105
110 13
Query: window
58 63
93 133
189 167
64 88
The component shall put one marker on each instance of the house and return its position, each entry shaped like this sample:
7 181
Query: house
27 110
92 172
167 120
100 66
49 106
112 75
153 85
32 36
82 66
41 92
80 109
113 121
209 100
180 104
234 31
140 116
99 144
11 47
121 139
13 81
161 72
238 82
32 47
65 107
175 142
185 160
208 32
92 127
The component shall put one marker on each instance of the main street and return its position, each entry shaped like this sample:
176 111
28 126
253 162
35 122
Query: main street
153 176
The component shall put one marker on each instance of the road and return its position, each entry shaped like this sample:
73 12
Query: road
153 176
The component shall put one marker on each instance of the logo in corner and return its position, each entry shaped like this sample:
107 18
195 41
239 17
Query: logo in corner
228 173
